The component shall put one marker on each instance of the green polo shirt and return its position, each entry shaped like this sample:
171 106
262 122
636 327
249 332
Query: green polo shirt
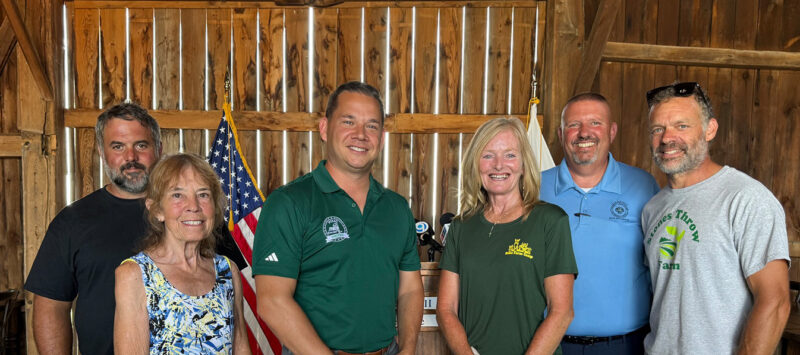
346 263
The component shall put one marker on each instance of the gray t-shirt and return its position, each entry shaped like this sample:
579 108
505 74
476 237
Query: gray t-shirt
702 242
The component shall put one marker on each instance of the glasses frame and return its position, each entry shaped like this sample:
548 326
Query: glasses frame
684 89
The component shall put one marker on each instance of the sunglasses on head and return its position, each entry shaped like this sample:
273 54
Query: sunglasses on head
681 90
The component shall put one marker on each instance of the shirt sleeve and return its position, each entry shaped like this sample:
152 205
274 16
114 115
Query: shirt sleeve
410 260
449 260
52 274
762 237
560 258
278 241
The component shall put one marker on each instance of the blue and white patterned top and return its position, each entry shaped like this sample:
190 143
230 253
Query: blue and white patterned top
183 324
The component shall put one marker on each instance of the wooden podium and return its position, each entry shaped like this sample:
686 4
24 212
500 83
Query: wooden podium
431 341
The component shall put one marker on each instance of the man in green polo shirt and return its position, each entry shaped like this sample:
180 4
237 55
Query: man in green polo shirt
335 252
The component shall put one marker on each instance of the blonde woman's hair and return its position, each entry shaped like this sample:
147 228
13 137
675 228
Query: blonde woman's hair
473 196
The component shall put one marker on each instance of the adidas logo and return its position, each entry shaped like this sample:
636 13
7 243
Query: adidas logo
272 257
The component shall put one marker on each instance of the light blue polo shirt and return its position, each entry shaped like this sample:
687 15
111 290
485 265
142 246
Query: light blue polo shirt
612 293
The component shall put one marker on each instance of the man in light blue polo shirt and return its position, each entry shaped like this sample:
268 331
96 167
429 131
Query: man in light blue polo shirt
604 200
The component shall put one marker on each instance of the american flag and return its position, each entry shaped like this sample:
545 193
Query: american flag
244 207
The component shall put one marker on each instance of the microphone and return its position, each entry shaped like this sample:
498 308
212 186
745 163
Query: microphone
444 221
425 236
424 232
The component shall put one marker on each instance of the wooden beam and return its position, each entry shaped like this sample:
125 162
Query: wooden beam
701 56
292 121
203 4
593 49
25 43
11 145
40 204
564 33
7 42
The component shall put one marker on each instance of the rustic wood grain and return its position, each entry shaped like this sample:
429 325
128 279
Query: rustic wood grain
524 47
474 58
113 41
167 48
596 42
167 54
786 172
219 55
499 60
719 85
272 21
326 29
244 85
88 166
11 225
273 4
348 61
449 80
325 56
636 80
562 48
193 24
375 28
141 56
298 91
86 29
701 56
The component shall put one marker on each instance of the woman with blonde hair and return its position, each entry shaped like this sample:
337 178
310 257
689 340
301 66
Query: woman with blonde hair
177 296
508 255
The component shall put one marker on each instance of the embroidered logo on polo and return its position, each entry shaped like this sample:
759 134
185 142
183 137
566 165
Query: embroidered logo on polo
521 249
669 243
619 210
334 229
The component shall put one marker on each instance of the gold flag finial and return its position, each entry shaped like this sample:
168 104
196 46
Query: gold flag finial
227 86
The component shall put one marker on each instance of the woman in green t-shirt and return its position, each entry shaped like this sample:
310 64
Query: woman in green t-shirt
508 255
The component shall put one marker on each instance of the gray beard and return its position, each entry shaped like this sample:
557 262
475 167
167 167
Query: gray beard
693 158
134 186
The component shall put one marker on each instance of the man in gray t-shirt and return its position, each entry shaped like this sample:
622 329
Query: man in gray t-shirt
715 240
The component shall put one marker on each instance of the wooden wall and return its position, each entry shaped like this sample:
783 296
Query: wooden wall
758 108
11 265
193 48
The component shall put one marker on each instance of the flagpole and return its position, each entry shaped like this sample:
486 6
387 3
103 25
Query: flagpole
226 109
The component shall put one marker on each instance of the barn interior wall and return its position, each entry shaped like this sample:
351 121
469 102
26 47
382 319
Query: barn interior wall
758 110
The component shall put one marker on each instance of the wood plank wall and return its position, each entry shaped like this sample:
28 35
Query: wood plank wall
758 110
11 246
180 57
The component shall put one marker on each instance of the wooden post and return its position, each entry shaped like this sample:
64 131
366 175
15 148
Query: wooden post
564 33
596 43
40 124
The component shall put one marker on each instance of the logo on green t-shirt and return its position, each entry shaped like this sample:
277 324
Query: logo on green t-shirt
334 229
521 249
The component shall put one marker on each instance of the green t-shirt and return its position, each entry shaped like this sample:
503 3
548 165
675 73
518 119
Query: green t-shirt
502 297
346 263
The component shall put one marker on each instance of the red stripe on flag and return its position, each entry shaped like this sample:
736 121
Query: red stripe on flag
250 297
252 222
254 347
247 252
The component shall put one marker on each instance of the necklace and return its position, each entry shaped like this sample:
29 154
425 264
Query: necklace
500 218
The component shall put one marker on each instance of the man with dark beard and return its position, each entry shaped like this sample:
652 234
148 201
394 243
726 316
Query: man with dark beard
88 239
604 199
715 240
